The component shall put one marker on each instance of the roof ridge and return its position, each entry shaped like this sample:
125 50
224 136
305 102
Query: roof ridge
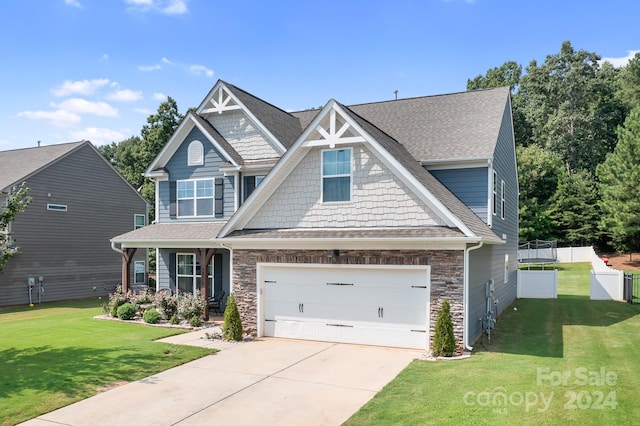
44 146
257 98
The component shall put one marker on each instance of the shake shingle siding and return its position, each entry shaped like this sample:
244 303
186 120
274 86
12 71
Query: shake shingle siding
70 249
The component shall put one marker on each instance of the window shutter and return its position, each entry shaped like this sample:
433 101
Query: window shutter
217 272
219 205
172 272
172 199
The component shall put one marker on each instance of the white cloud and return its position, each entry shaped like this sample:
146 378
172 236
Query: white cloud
97 135
166 61
82 87
59 118
159 96
167 7
149 67
125 95
82 106
200 69
74 3
104 57
145 111
621 62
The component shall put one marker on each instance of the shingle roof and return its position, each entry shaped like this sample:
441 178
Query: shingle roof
446 197
284 126
456 126
159 232
16 165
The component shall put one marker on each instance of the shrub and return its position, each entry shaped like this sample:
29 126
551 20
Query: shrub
151 316
127 311
232 328
195 321
189 306
116 299
174 319
444 344
166 304
140 298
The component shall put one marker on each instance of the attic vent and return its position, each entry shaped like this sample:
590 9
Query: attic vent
195 156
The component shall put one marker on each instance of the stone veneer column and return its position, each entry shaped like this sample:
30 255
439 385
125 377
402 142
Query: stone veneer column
447 276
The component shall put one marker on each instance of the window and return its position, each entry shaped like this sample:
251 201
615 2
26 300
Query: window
502 199
57 207
139 270
195 197
195 154
506 268
250 183
188 273
138 221
336 175
495 193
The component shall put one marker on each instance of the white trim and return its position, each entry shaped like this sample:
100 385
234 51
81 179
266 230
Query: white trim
135 222
135 274
195 153
472 163
502 200
157 201
490 194
494 194
350 243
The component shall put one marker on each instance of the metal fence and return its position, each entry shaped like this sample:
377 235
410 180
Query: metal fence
631 290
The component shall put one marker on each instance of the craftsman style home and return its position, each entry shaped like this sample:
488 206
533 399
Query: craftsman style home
79 201
345 223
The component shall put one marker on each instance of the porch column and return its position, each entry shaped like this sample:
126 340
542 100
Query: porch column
204 257
127 257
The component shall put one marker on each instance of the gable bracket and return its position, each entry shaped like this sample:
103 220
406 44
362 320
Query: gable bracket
222 103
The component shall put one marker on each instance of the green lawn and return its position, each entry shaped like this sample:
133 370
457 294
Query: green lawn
56 353
569 360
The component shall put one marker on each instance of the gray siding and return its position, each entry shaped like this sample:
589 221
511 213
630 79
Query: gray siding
469 185
489 261
71 249
179 170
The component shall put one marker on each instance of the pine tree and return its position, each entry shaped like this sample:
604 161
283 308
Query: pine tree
232 328
444 344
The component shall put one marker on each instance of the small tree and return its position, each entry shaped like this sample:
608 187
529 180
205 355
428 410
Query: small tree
17 202
232 329
444 344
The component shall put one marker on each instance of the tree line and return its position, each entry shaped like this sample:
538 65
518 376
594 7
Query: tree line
577 131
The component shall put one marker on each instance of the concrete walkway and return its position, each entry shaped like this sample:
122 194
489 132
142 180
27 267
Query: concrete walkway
267 381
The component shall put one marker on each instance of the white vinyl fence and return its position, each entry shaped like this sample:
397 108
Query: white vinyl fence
537 284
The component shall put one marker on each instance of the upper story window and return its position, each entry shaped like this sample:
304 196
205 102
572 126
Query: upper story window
195 197
250 183
195 154
138 221
336 175
495 194
502 203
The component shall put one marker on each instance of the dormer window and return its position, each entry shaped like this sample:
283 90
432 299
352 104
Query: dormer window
195 154
336 175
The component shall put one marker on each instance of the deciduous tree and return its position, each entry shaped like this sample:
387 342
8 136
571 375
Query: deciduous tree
16 202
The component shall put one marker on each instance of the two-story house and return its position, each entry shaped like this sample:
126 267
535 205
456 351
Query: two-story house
79 201
346 223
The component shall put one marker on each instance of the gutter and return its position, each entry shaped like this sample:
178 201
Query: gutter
114 248
465 332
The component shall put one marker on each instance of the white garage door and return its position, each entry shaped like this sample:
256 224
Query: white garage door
374 305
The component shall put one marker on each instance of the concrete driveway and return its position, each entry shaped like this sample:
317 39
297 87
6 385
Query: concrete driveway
268 381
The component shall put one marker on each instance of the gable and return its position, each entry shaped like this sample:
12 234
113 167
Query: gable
379 198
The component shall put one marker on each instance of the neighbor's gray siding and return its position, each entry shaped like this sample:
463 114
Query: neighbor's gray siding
71 249
179 170
469 185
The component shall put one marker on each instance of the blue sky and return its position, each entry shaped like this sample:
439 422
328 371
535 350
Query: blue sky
95 69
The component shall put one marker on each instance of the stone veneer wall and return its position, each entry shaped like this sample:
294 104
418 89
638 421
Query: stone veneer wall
447 276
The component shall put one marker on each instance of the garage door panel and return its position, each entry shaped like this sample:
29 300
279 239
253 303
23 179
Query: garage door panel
369 305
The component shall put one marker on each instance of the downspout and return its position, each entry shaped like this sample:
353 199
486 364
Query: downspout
465 332
114 248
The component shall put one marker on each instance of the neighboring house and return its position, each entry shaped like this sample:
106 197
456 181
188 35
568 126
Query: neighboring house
79 202
349 223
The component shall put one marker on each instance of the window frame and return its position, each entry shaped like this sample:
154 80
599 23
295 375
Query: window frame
255 184
502 201
195 276
506 268
495 194
135 221
195 198
57 207
135 272
337 175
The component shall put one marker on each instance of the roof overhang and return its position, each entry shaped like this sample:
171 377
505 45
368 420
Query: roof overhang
466 163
